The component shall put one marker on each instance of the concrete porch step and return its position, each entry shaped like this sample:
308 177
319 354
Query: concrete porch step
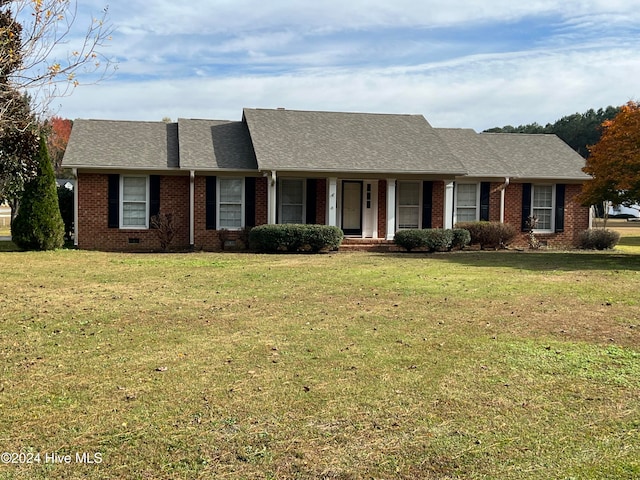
368 244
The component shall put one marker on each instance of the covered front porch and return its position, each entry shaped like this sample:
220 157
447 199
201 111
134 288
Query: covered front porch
363 206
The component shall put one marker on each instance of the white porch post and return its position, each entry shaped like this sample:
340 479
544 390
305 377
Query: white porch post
75 208
448 205
271 198
503 188
332 202
391 208
192 208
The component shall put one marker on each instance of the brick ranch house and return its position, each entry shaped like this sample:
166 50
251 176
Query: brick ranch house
369 174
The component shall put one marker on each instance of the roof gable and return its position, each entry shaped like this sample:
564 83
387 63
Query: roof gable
123 144
215 144
292 140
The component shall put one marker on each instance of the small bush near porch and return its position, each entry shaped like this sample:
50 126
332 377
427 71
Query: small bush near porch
294 238
432 239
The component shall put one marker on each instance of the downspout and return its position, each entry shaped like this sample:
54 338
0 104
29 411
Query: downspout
503 187
75 208
192 215
271 197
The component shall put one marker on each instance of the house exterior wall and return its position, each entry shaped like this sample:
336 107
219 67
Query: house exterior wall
94 232
437 211
382 208
576 217
494 202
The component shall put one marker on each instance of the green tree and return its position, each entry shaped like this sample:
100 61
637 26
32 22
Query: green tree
34 69
38 224
579 130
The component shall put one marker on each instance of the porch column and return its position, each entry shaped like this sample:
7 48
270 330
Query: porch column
391 208
332 202
192 208
448 205
75 208
271 198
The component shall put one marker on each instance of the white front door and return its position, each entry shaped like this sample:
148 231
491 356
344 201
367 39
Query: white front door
370 209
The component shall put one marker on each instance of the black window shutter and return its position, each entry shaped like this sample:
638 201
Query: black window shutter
526 205
427 204
485 194
210 203
311 201
250 202
154 196
113 215
560 207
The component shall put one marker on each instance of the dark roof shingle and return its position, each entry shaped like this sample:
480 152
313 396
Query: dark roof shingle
292 140
123 144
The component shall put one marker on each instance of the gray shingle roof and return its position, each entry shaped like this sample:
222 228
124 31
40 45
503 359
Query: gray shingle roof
292 140
122 144
537 156
475 153
215 144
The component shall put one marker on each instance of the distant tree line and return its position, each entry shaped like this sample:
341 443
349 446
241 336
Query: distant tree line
580 130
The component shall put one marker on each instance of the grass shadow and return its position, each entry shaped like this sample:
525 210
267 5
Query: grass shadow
547 260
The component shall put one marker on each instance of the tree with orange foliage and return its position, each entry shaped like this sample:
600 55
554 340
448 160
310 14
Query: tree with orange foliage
59 131
614 162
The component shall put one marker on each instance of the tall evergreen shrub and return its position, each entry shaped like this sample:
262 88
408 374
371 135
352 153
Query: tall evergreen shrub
38 224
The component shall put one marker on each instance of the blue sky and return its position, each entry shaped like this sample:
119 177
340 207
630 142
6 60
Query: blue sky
473 63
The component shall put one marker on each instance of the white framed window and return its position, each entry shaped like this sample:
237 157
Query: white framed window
230 193
408 204
542 199
467 202
134 201
291 200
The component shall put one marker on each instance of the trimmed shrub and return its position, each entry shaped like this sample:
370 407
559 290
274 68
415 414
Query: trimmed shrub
431 239
461 238
598 239
38 224
438 240
410 239
490 234
295 238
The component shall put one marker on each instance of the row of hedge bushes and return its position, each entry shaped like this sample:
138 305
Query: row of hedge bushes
295 238
432 239
324 238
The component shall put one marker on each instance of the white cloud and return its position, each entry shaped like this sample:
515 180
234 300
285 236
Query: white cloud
209 59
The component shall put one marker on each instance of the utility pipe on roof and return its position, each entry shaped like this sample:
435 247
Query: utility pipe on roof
503 187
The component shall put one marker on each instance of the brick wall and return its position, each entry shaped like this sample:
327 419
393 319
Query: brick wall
382 209
576 217
437 208
93 230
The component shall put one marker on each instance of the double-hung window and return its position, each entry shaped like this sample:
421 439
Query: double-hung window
408 205
467 202
292 195
230 203
542 206
134 201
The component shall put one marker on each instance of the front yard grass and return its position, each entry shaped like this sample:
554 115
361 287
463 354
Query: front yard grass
473 365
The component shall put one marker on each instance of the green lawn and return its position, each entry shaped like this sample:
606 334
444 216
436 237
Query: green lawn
470 365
